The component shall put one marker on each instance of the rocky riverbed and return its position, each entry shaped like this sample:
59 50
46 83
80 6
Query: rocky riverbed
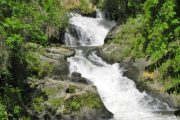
60 96
134 68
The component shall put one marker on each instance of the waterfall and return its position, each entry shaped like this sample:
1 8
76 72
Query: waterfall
118 93
84 31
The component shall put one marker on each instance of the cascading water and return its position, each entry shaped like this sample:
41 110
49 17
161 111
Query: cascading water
84 31
118 93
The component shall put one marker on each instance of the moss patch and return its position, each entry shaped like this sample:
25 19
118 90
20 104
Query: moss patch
35 67
91 100
71 89
83 5
129 37
37 104
56 102
52 90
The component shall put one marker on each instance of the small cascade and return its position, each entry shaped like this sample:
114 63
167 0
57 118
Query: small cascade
118 93
100 14
85 31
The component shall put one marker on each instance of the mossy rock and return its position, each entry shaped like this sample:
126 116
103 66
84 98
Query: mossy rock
47 61
52 90
36 67
111 53
75 103
71 89
80 102
56 102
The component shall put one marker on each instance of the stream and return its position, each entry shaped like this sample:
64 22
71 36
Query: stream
118 93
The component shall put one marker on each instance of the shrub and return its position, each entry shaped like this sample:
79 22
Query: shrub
35 67
3 112
14 42
154 33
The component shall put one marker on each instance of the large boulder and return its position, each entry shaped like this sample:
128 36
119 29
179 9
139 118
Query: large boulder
57 55
111 53
66 100
76 77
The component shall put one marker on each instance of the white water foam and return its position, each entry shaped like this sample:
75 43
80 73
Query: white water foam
119 94
95 29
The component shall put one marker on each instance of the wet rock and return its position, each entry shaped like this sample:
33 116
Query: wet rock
59 52
76 74
165 97
60 70
78 34
153 88
177 112
130 71
76 77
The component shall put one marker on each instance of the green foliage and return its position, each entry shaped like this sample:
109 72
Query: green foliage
56 102
71 89
162 37
37 104
135 6
5 75
91 100
74 105
155 34
14 42
173 86
52 90
17 110
3 112
32 20
120 9
35 67
3 54
116 8
83 6
86 7
130 37
10 100
23 21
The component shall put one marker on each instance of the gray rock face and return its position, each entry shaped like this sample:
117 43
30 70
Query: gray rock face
165 97
76 77
111 53
80 102
57 57
130 71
